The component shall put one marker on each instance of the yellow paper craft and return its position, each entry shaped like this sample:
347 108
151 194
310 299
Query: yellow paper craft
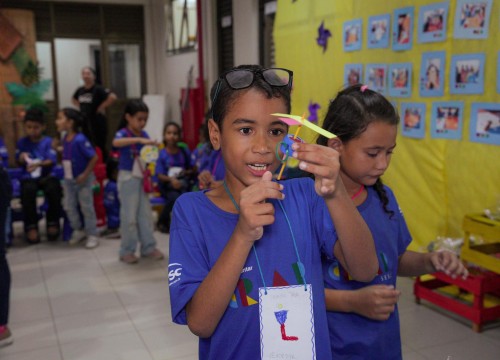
299 120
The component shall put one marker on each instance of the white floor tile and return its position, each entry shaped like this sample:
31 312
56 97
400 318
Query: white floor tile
32 335
150 315
125 346
50 353
93 325
170 342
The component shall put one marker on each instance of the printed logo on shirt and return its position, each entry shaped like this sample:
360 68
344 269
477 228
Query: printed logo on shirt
384 273
174 273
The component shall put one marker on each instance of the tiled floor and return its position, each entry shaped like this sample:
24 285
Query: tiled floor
74 304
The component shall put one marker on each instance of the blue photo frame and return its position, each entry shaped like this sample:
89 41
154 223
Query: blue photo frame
432 73
353 74
413 119
352 35
399 81
472 19
447 120
402 28
432 20
467 74
379 28
485 123
376 77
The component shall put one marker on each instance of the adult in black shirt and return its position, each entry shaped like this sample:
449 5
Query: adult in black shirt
92 99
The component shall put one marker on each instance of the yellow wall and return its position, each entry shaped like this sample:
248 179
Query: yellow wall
436 181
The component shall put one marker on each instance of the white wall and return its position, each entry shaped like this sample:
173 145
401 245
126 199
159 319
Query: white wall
71 56
246 31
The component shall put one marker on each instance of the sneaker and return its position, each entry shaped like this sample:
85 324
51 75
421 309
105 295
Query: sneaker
5 336
92 242
76 237
129 259
154 255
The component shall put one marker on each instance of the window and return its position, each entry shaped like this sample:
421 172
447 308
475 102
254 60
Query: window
181 25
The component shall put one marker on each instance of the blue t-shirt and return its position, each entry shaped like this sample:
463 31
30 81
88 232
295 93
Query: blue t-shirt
40 150
353 336
4 155
127 153
79 150
166 160
200 231
214 164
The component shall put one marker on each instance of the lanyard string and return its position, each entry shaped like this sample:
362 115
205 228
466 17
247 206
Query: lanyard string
300 265
214 168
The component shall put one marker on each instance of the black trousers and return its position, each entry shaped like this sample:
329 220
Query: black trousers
99 129
52 191
5 195
170 195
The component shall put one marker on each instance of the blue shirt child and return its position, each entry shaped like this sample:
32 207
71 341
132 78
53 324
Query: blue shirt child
40 150
199 232
128 153
353 336
79 150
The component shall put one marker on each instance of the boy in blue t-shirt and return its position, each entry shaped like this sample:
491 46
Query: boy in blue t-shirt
35 154
111 201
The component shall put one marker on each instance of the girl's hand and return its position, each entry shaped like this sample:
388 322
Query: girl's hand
176 183
376 302
321 161
449 263
255 213
80 179
205 179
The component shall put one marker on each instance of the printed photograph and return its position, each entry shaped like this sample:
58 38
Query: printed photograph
432 22
467 75
413 120
400 80
447 120
472 19
402 29
432 73
378 31
375 77
353 74
352 35
485 123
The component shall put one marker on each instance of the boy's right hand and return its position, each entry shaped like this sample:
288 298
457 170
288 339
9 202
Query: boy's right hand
255 212
376 302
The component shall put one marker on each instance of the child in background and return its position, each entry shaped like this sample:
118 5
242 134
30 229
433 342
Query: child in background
173 170
136 220
111 201
228 242
35 154
212 171
200 154
79 159
363 317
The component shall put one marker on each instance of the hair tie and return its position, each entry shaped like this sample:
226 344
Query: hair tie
363 88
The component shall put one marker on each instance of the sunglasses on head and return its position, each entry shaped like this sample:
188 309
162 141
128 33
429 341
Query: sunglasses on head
238 79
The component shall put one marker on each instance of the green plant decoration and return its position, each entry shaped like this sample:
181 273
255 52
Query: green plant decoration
30 92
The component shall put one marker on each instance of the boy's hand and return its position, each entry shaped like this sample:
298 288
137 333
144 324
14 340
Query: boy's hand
323 163
205 179
376 302
449 263
255 213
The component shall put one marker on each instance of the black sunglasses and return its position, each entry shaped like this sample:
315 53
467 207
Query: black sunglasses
238 79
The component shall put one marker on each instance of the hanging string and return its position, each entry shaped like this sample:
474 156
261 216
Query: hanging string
299 263
253 246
